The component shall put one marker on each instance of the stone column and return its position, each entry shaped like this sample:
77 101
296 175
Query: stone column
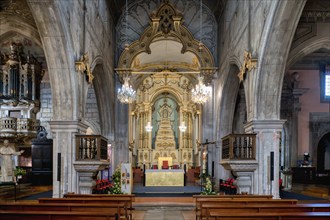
63 134
297 92
268 140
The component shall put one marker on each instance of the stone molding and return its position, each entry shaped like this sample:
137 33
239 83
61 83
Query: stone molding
70 126
240 165
255 125
90 166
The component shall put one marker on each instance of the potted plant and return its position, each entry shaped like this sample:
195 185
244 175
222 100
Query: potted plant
19 172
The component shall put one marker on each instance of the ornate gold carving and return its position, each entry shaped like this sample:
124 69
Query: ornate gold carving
123 72
131 145
208 73
166 13
83 66
172 76
167 24
248 64
184 83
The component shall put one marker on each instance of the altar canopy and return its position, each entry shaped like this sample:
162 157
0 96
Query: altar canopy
165 63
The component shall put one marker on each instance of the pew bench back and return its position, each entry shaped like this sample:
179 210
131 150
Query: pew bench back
270 216
55 215
263 208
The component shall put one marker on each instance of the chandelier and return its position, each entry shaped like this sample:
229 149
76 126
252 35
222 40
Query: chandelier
201 92
126 94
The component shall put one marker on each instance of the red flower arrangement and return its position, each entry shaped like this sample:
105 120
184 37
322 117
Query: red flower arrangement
102 186
227 186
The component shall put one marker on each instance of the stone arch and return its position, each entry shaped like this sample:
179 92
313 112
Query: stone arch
275 43
318 129
231 87
15 25
103 91
95 127
174 92
63 78
306 48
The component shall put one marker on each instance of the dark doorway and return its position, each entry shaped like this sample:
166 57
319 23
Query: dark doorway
323 153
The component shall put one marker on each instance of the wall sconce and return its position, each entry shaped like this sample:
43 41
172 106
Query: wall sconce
182 127
149 127
82 66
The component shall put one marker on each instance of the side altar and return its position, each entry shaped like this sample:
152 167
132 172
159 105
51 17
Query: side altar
170 177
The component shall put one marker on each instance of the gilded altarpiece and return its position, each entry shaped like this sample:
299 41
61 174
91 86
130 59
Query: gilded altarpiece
164 101
164 65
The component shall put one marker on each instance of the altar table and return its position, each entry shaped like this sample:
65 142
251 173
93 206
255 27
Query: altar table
173 177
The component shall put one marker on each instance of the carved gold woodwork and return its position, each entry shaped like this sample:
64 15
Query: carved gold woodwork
150 89
175 78
83 66
165 27
248 64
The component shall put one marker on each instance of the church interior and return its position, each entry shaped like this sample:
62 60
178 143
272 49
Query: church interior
165 93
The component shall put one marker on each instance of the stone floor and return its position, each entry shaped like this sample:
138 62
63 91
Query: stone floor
164 208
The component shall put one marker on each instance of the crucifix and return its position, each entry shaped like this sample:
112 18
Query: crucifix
204 167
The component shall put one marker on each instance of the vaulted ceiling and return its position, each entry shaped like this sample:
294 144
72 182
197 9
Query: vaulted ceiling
18 12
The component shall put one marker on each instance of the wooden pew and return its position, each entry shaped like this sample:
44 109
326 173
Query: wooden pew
271 216
76 207
201 198
237 202
131 197
126 201
55 215
234 196
219 209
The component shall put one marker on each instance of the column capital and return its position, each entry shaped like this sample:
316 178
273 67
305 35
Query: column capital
258 125
68 126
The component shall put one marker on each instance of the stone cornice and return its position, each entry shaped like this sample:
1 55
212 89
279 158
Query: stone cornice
240 165
70 126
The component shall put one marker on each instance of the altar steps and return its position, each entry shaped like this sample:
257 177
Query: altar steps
320 191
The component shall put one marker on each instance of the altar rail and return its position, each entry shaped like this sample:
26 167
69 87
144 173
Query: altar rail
91 147
239 146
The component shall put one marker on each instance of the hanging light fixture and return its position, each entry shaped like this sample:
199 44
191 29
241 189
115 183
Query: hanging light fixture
201 92
126 94
182 127
149 127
